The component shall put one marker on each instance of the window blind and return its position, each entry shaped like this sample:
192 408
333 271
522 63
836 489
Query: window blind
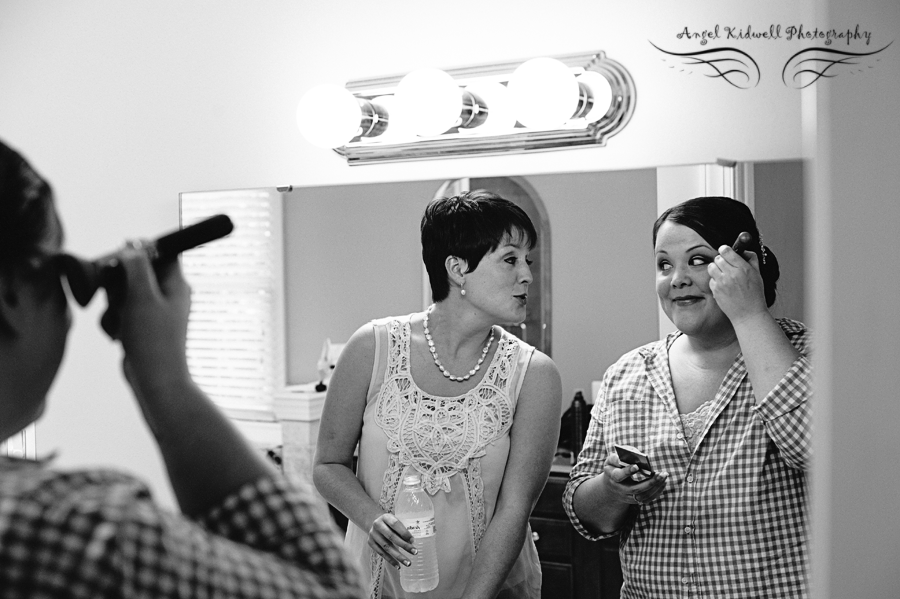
235 346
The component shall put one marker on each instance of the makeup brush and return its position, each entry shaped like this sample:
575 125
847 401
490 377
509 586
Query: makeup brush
85 277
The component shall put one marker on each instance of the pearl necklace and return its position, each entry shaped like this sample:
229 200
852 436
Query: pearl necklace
437 361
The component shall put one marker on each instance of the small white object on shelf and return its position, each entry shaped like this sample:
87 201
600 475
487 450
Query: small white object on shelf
328 360
299 402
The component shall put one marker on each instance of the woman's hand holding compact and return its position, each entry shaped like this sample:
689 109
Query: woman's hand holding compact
736 284
625 489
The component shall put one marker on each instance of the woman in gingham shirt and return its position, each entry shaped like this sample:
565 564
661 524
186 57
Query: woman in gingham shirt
721 406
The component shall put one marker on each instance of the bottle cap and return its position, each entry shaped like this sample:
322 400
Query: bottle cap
412 479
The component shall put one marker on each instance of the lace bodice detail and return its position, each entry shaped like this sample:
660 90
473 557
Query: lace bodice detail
460 441
694 422
438 436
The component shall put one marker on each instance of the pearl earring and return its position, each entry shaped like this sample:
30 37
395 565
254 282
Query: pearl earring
462 288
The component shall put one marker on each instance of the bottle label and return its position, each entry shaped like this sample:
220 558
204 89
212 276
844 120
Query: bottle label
419 527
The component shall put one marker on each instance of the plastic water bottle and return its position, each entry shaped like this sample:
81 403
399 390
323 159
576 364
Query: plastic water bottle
415 510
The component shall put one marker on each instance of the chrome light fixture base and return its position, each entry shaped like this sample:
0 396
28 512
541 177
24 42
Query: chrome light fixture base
461 142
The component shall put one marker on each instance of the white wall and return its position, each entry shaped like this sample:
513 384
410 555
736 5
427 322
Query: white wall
348 260
778 207
604 301
855 214
125 104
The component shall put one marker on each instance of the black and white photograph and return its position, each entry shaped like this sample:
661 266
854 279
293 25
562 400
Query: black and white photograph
449 300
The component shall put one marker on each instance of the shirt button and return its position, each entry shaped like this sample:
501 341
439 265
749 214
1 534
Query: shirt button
688 530
685 580
690 478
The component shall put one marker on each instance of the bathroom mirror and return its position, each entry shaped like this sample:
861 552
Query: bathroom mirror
316 263
351 253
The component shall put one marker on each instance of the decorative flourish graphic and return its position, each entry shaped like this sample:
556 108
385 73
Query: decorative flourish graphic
808 66
734 66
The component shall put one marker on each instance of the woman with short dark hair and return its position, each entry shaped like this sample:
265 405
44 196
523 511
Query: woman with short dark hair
449 395
721 408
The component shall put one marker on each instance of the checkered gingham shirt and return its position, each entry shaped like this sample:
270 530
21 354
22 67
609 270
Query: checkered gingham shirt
732 521
97 534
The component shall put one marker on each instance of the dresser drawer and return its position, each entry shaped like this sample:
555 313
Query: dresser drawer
549 503
557 581
553 539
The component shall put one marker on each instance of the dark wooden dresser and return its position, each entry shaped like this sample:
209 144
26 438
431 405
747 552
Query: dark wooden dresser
572 566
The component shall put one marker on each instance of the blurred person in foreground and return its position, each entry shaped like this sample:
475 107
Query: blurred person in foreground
244 530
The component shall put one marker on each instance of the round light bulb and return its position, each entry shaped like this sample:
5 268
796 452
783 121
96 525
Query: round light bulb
544 93
601 92
328 116
429 100
501 118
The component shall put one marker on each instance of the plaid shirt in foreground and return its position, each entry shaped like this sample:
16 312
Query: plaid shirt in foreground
732 521
93 534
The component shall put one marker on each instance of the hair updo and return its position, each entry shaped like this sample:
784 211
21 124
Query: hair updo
26 210
719 221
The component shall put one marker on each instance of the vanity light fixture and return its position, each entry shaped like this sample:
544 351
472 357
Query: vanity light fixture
540 104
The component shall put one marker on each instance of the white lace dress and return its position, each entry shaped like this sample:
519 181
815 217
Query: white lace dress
459 445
